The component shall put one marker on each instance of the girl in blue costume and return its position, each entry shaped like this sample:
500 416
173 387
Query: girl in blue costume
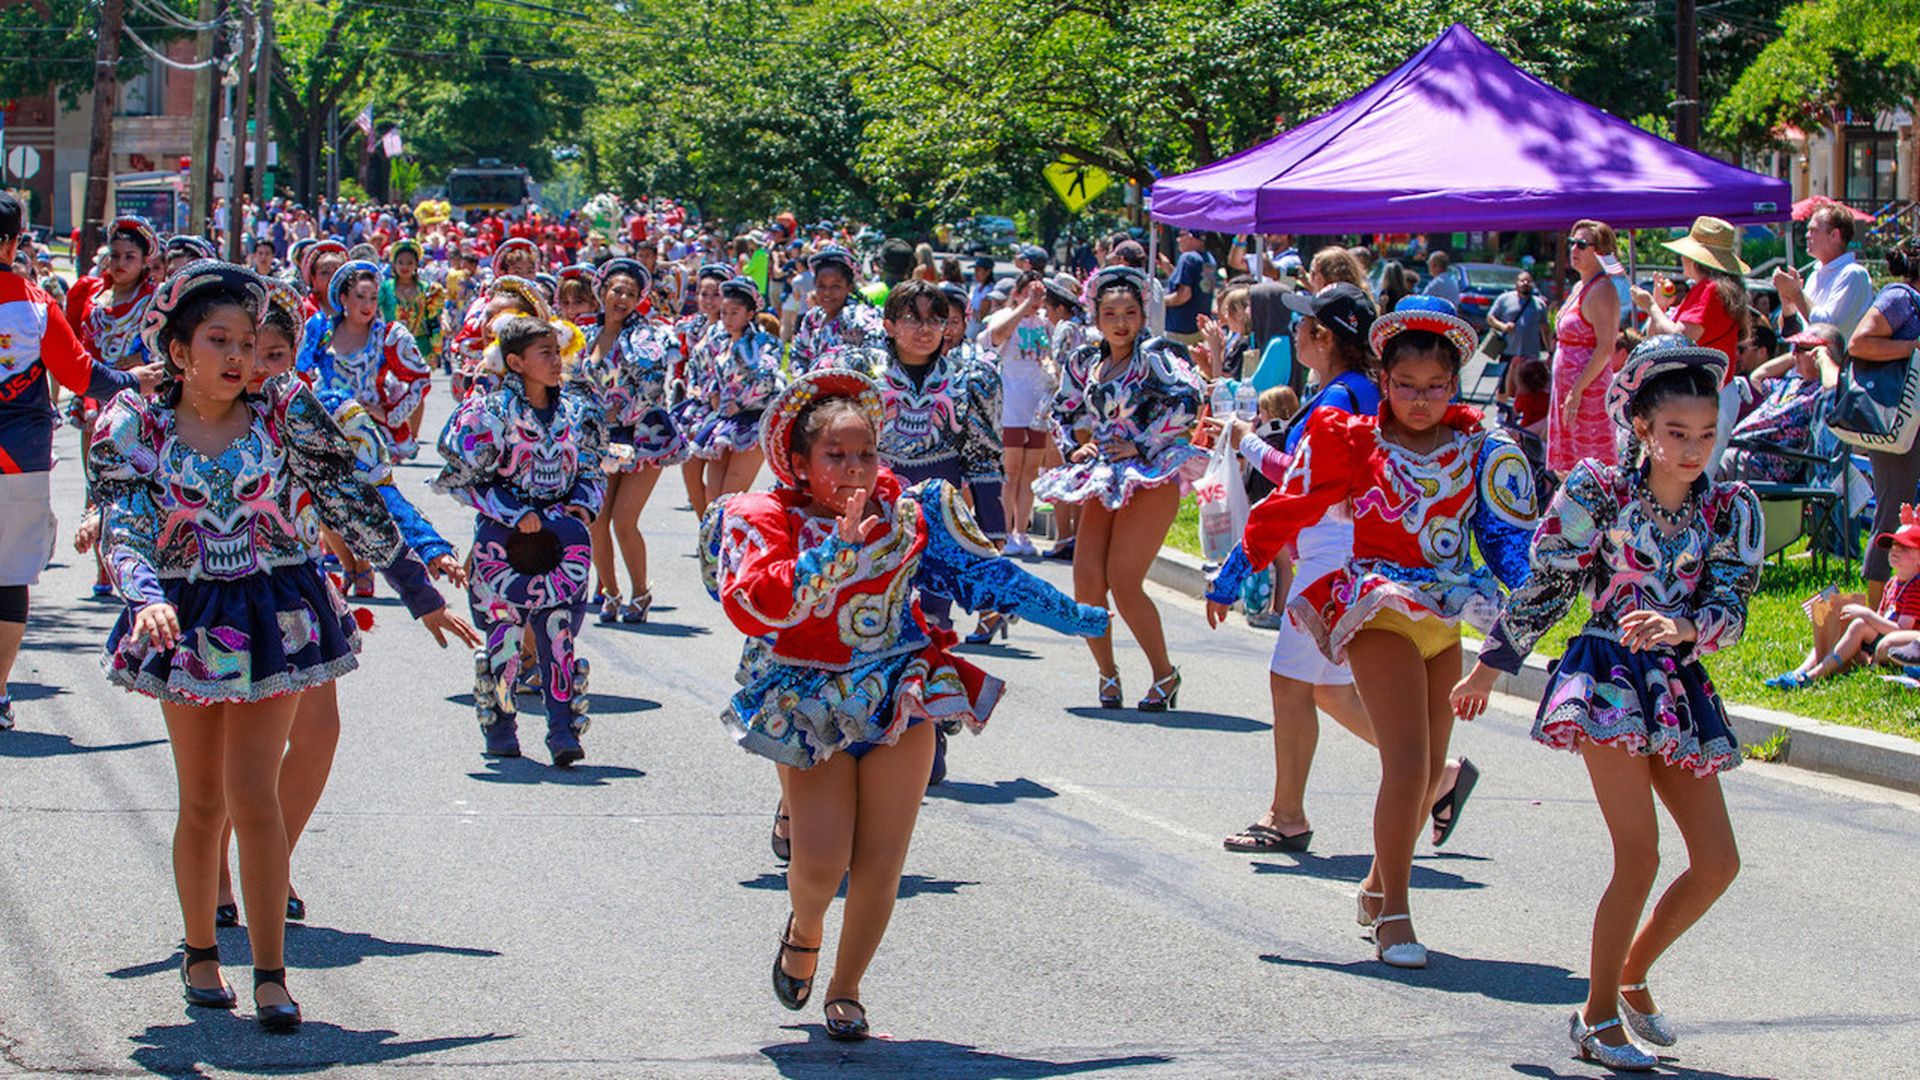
693 387
526 458
1124 414
227 617
375 360
841 673
839 318
745 375
316 722
1669 559
631 359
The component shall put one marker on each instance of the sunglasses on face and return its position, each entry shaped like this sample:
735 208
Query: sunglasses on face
1580 242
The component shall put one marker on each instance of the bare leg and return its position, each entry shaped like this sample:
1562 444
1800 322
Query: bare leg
717 474
742 467
693 475
254 739
892 782
1296 736
1018 491
604 573
1713 861
821 803
11 634
1090 574
195 733
1622 784
309 759
628 504
1139 527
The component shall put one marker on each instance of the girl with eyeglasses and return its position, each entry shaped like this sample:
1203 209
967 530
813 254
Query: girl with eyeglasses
1583 355
1422 479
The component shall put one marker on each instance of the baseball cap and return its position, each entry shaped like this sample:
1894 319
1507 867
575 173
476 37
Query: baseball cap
1342 307
1907 535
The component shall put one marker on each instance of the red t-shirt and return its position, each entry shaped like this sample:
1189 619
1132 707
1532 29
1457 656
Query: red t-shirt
1902 600
637 229
1703 308
1531 407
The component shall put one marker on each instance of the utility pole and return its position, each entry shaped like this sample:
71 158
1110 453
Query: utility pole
237 136
106 97
204 86
1686 83
262 86
333 153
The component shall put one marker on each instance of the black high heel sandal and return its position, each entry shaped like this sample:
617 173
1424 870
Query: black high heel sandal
782 845
848 1030
296 908
276 1019
220 997
226 916
1110 691
992 625
792 992
1164 694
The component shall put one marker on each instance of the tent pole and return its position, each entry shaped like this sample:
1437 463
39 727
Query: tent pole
1259 257
1631 272
1153 273
1786 230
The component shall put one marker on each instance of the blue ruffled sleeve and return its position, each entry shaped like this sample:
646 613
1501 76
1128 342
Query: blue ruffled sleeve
960 562
1231 577
1506 510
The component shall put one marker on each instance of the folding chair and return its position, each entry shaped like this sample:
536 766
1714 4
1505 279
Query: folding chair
1814 507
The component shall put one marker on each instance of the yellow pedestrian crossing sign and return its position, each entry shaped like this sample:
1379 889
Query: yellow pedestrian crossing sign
1076 183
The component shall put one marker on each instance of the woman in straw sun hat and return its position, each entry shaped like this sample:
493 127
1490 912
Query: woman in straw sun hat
1714 313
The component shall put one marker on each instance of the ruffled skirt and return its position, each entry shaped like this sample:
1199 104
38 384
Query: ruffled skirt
1339 605
248 639
1651 703
726 434
1114 482
801 716
655 441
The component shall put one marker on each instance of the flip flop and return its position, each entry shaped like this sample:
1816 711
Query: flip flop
1454 801
1257 838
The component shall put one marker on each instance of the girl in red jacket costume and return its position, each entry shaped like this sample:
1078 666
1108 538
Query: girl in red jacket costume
1419 477
841 673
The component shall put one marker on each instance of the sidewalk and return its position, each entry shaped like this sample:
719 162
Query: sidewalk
1855 753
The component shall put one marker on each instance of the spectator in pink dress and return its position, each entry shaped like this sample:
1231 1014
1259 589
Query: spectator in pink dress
1583 359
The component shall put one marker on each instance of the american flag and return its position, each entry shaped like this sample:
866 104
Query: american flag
365 123
1824 596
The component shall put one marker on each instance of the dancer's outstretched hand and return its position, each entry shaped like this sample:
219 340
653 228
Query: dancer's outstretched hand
443 622
1217 612
449 569
855 522
1469 697
159 624
87 532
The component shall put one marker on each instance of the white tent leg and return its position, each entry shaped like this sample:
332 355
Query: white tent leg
1159 322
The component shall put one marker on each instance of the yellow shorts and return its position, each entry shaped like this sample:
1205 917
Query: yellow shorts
1430 634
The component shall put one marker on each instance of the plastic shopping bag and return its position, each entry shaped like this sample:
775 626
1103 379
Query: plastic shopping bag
1222 495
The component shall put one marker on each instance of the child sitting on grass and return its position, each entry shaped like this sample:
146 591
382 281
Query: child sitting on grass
1872 634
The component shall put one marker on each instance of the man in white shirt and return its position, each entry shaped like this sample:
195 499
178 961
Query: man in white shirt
1839 291
1445 283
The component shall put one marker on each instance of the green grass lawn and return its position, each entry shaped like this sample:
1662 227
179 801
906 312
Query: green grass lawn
1776 640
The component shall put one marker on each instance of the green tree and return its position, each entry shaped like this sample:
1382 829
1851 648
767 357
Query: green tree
1859 54
51 43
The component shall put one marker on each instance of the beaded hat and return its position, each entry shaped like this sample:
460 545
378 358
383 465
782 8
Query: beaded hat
194 280
633 268
1652 358
136 230
196 246
1433 313
313 253
741 289
776 435
524 291
343 278
517 243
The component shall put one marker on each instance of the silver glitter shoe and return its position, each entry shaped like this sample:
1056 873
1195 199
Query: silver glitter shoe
1649 1027
1588 1047
1407 954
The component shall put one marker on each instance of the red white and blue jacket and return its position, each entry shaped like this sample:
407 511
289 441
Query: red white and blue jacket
36 340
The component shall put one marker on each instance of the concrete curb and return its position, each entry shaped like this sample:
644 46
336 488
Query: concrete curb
1871 757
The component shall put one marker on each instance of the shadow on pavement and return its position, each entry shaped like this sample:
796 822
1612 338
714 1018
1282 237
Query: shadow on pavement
1501 980
526 770
231 1042
911 885
997 652
1353 868
602 705
1178 719
654 629
1667 1068
33 691
35 744
998 793
822 1057
309 947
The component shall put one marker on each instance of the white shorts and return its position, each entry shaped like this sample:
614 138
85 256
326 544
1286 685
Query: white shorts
1324 548
27 527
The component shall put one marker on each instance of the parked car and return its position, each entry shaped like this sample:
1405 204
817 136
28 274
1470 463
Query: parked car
984 233
1481 284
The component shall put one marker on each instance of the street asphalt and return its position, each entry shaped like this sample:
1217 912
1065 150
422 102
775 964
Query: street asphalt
1067 907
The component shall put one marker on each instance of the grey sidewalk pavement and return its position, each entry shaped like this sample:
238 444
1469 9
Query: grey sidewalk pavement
1872 757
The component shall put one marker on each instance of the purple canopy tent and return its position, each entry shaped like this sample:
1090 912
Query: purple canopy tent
1459 139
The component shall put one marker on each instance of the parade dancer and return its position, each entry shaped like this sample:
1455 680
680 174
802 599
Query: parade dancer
693 386
182 249
526 458
477 367
407 297
315 734
745 376
1418 478
841 673
227 617
1669 559
839 318
1125 411
630 358
35 342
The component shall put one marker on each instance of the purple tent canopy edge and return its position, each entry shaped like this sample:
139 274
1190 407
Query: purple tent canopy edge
1457 138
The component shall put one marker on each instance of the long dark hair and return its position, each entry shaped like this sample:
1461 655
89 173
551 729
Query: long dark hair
1731 292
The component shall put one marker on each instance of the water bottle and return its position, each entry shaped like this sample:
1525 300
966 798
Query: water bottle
1246 401
1223 397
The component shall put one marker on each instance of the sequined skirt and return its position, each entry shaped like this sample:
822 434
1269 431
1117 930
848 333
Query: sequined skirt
1652 703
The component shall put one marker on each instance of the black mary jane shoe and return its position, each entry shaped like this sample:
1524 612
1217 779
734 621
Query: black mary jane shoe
848 1030
220 997
276 1019
226 916
296 909
792 992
